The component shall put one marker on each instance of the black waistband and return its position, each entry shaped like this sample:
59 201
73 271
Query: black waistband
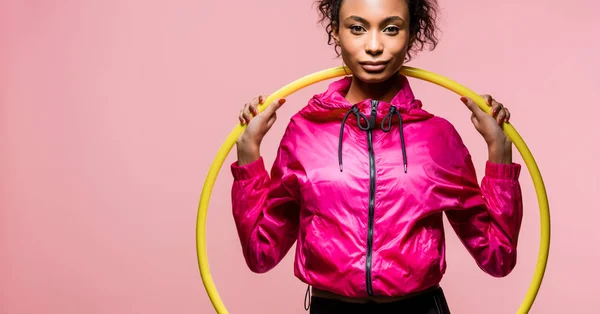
431 300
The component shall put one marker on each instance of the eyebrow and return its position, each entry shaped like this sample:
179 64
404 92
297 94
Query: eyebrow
387 20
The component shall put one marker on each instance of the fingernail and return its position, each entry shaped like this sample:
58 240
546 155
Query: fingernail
281 101
463 99
260 99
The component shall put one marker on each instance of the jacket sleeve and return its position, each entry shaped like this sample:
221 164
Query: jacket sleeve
488 217
266 208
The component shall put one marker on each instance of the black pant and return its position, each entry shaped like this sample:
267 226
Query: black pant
431 302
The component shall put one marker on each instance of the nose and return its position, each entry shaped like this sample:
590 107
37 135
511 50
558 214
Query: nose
374 45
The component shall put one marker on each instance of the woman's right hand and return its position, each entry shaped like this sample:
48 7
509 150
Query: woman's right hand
257 126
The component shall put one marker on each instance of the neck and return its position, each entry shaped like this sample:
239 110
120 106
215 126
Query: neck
383 91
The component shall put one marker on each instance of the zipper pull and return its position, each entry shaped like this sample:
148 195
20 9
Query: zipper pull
374 104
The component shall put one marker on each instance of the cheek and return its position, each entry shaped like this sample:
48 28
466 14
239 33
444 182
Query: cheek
399 48
349 52
402 52
402 42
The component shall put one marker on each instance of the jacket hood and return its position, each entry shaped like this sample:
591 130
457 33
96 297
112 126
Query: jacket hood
368 114
331 105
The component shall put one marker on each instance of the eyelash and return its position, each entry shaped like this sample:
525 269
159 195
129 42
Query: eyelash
394 29
357 28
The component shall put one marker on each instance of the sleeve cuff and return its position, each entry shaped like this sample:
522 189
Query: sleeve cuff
248 171
502 171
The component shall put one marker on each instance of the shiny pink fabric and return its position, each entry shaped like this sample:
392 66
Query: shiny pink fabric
308 200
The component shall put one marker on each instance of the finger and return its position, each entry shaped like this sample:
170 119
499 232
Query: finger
253 109
477 112
474 120
274 106
246 113
241 117
507 115
488 99
496 107
255 103
271 120
257 100
501 116
261 99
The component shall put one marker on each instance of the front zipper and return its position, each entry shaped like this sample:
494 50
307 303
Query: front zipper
369 262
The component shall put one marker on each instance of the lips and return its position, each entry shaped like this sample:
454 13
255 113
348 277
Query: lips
374 66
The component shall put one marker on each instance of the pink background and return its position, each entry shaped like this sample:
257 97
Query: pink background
112 111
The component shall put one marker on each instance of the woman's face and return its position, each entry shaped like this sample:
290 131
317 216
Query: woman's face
373 36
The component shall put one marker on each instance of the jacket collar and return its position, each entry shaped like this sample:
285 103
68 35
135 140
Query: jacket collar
331 105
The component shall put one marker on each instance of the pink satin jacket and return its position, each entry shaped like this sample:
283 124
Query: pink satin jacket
362 188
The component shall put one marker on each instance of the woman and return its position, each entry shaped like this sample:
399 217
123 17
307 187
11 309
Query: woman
363 174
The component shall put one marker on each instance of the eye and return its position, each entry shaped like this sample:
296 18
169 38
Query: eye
356 29
392 29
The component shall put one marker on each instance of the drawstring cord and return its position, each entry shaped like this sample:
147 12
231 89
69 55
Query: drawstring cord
388 118
307 298
359 115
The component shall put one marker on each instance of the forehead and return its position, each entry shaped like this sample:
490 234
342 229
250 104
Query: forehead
374 9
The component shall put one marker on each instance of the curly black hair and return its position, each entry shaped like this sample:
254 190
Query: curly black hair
423 28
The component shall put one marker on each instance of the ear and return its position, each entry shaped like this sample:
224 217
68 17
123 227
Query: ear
335 34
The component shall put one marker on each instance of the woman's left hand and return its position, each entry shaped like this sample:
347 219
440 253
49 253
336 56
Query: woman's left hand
489 126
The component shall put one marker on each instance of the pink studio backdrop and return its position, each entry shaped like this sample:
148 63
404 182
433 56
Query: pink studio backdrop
112 111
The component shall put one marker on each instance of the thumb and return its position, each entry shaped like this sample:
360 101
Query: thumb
274 106
477 112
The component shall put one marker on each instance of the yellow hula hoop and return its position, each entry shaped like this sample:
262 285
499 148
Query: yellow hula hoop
407 71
